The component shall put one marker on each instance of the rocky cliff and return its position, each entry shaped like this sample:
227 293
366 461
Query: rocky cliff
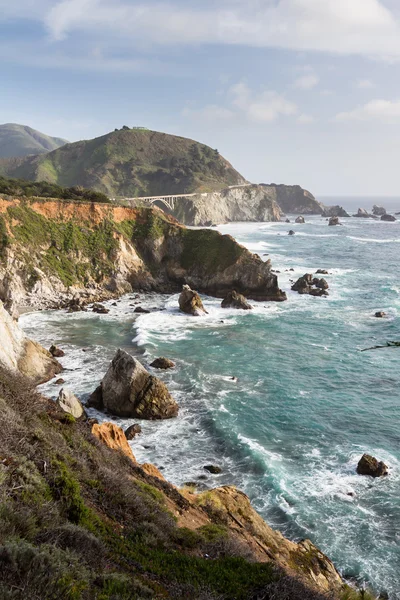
20 354
245 203
53 250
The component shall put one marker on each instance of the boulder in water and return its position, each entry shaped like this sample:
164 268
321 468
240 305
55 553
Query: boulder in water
213 469
378 210
334 221
190 302
307 284
56 352
162 363
335 211
133 431
128 390
380 314
300 219
369 465
235 300
363 214
287 221
390 218
140 309
100 309
291 232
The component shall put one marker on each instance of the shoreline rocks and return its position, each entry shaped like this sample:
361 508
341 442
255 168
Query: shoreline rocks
369 465
191 303
307 284
300 219
56 352
128 390
70 404
335 211
113 436
235 300
133 431
334 221
378 211
389 218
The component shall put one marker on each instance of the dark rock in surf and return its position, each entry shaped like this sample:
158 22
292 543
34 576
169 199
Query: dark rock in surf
56 352
291 232
213 469
307 284
369 465
378 211
300 219
100 309
235 300
133 431
380 314
140 309
162 363
334 221
390 218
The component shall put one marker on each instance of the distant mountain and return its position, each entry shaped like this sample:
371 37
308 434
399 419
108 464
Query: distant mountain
21 140
130 162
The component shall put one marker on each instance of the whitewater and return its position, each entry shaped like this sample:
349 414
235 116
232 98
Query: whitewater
305 404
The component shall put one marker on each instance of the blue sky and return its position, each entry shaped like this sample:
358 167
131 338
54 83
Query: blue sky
290 91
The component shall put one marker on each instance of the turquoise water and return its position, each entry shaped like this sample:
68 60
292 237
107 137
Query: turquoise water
307 403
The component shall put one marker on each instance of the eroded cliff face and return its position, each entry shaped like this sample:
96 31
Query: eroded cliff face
51 251
246 203
20 354
241 203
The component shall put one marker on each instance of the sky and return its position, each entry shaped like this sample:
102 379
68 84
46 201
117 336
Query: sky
290 91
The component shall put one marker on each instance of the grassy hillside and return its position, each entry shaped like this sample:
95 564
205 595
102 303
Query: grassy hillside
20 140
131 162
42 189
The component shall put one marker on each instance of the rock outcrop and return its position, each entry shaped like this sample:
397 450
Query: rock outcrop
113 436
363 214
235 300
369 465
378 211
334 221
113 250
334 211
191 303
300 219
389 218
18 353
128 390
307 284
133 431
56 352
70 404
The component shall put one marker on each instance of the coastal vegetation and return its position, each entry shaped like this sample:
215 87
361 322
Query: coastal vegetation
130 162
44 189
81 521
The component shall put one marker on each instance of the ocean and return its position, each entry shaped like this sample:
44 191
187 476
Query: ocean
306 403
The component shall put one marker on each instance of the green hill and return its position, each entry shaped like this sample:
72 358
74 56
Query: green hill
130 162
20 140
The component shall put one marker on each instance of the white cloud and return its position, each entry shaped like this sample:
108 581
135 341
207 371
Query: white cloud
305 119
306 82
382 111
366 27
264 107
211 112
364 84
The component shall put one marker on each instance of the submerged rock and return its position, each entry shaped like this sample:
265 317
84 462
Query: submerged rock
369 465
140 309
322 272
235 300
190 302
69 403
128 390
300 219
291 232
213 469
162 363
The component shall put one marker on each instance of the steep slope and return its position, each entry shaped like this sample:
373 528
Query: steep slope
131 162
293 199
81 521
51 250
21 140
